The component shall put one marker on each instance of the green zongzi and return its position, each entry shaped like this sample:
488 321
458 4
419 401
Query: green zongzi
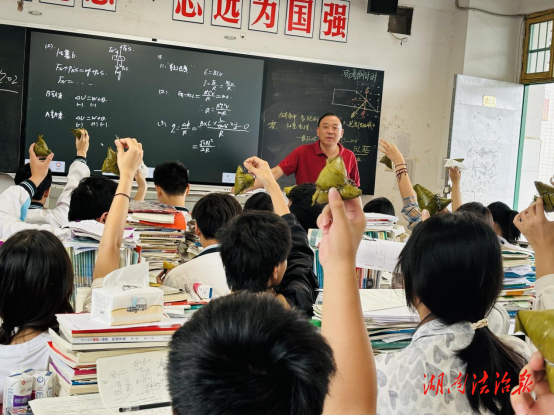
110 163
433 203
76 133
41 148
334 175
547 193
386 161
243 180
288 189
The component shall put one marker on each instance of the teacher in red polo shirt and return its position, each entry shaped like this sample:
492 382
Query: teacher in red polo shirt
307 161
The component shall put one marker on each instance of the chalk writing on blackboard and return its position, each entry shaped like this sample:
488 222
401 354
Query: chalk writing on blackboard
119 59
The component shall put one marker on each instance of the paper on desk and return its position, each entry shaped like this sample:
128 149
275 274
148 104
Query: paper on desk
378 299
133 380
520 270
87 404
378 255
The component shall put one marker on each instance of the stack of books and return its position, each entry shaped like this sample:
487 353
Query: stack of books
182 309
81 341
518 292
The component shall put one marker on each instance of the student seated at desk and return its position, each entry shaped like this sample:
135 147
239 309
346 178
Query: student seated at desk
211 213
259 202
380 206
172 184
78 170
301 205
265 251
36 283
503 217
479 210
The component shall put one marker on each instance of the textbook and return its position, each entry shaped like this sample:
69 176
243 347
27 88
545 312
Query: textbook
65 345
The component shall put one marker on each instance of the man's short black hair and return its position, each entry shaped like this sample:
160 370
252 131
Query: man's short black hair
251 246
213 211
172 177
24 173
92 198
259 202
327 115
301 205
380 206
246 354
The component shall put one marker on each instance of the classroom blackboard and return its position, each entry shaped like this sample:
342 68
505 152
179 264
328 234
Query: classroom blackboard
12 64
298 93
200 108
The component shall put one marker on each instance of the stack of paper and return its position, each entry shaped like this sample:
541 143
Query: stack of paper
380 222
82 341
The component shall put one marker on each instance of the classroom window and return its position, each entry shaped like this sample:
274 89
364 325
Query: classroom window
538 50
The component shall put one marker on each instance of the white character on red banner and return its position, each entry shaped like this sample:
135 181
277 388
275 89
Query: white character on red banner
300 18
189 10
334 20
108 5
227 13
264 15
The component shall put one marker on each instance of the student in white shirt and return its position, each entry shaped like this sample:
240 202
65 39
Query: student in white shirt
36 283
172 184
78 170
211 213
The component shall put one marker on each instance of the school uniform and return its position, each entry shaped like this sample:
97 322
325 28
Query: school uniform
544 293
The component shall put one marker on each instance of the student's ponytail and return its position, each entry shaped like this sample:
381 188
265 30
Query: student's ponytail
503 217
6 333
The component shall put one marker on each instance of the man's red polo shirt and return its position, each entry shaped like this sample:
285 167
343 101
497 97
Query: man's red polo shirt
307 161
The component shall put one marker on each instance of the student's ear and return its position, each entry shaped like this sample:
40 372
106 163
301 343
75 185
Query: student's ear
47 193
103 218
197 231
188 189
158 191
274 279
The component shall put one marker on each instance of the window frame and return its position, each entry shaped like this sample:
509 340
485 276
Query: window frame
546 76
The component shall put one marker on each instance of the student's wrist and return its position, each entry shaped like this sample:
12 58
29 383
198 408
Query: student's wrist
125 185
82 154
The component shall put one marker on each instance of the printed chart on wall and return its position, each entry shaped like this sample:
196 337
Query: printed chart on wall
200 108
298 93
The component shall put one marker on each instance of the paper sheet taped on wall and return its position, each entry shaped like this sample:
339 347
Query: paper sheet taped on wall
378 254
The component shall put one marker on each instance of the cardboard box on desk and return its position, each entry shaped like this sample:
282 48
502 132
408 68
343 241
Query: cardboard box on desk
126 298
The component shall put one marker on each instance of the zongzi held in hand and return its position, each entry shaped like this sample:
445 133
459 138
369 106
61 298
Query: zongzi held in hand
547 193
433 203
110 163
334 175
41 148
243 180
76 133
386 161
288 189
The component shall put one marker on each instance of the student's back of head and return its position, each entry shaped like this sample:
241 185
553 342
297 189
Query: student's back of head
92 198
253 245
479 210
36 282
503 217
259 202
380 206
246 354
452 264
300 198
24 173
172 178
213 211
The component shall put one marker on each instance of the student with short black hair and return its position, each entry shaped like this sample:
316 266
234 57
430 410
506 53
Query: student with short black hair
260 201
36 283
265 251
172 184
301 205
380 206
86 207
57 216
479 210
211 213
246 354
503 217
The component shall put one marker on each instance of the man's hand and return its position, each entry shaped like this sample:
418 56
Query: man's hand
129 157
455 174
39 168
260 168
524 403
391 151
82 144
342 224
534 225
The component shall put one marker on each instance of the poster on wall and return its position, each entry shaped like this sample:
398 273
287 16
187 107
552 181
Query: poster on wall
334 20
227 13
300 18
191 11
108 5
68 3
264 15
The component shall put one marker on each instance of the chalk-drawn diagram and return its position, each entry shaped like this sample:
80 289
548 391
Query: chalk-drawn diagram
362 102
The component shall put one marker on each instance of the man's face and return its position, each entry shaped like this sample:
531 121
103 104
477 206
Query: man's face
330 130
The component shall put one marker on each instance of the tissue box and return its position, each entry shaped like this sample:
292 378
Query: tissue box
127 307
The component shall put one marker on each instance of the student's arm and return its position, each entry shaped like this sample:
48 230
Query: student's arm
266 178
128 161
354 388
455 176
543 402
142 186
277 172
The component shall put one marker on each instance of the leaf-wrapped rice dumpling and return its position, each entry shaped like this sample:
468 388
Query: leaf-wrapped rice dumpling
243 180
547 193
76 133
386 161
433 203
41 148
110 163
334 175
459 160
539 327
288 189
